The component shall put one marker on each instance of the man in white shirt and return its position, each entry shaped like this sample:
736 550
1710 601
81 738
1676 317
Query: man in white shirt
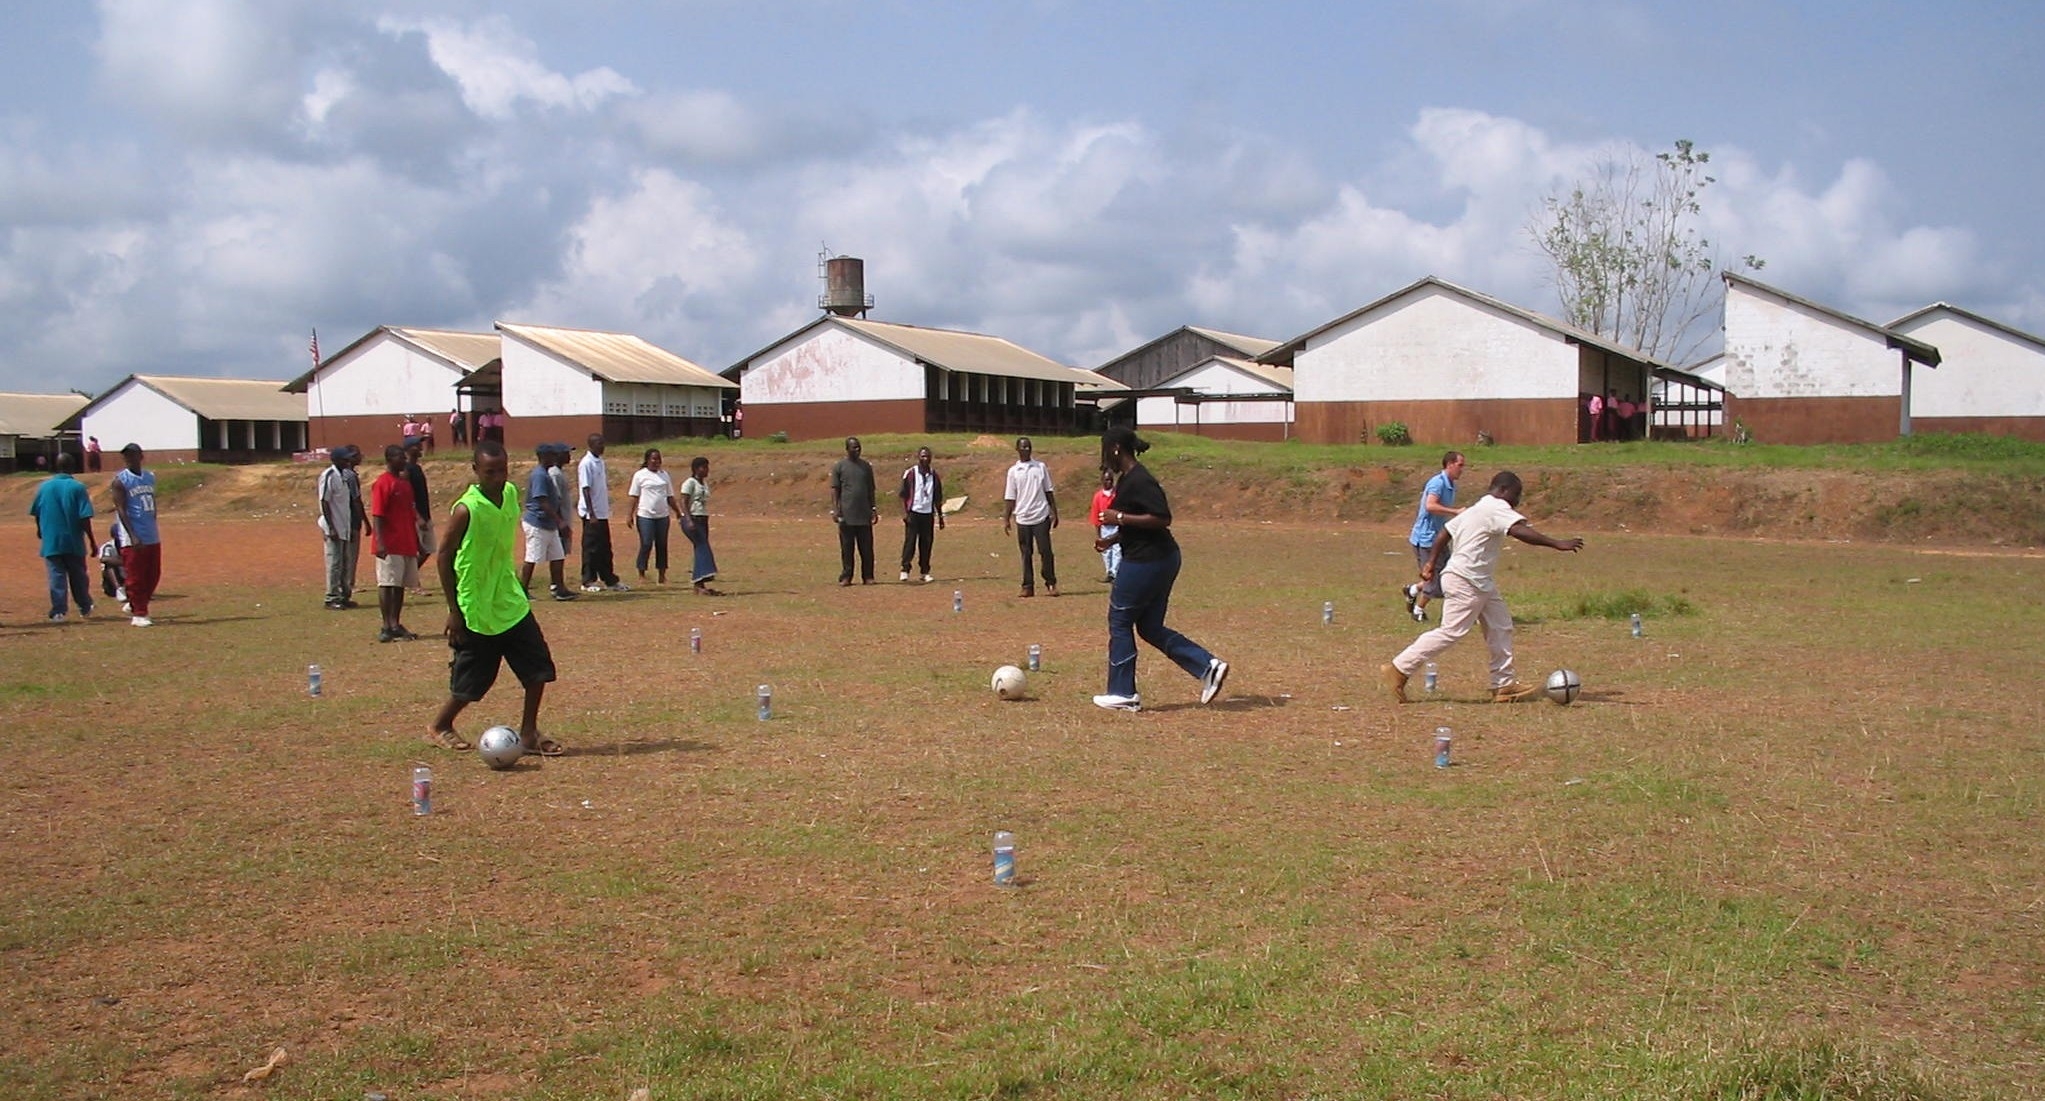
593 505
1030 510
922 495
1465 561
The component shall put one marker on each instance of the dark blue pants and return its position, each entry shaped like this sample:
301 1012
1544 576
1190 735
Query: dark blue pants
652 541
68 570
1136 608
705 564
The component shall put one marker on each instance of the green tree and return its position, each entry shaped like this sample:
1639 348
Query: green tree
1630 263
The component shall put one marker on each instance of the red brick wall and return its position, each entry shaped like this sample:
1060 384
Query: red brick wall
823 420
2023 428
1441 423
1816 420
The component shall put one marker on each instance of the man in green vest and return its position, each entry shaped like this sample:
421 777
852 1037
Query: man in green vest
489 619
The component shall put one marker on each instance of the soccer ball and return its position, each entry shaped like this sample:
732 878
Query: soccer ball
500 747
1009 682
1563 686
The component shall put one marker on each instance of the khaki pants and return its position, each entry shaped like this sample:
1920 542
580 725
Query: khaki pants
1463 606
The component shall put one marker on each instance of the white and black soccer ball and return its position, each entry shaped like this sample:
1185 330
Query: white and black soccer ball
1564 686
500 747
1010 682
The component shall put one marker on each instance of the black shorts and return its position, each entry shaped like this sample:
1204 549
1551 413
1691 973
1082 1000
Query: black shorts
473 668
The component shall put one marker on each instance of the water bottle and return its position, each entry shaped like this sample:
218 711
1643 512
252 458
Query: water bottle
1327 613
1433 678
766 695
695 640
1036 657
422 790
1636 625
1004 858
1441 747
958 600
312 681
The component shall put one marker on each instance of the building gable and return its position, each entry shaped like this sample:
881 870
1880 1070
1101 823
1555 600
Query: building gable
1431 343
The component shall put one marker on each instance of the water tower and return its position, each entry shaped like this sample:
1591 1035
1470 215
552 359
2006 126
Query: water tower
844 285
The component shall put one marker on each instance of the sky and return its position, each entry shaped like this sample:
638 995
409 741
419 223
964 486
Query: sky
192 186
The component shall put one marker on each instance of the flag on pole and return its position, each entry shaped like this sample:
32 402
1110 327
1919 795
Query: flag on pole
314 348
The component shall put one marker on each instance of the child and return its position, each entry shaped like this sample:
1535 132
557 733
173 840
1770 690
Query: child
489 618
396 543
1104 499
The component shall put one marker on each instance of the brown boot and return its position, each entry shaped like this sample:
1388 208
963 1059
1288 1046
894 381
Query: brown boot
1394 680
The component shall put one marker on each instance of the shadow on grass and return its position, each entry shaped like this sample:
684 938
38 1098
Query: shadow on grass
638 748
1608 696
1232 704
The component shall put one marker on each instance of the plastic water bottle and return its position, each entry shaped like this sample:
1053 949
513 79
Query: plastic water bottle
958 600
1327 613
422 790
1636 625
695 640
766 695
1433 678
1004 858
312 681
1441 747
1036 657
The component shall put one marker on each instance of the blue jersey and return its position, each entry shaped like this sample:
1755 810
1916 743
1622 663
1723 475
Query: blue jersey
138 514
1426 525
538 487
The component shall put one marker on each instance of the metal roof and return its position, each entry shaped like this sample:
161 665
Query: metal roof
37 415
1251 346
955 351
1282 354
616 357
220 399
1280 377
1989 322
462 350
1910 346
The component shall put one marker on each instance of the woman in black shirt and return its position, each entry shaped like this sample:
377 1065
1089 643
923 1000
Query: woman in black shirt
1143 585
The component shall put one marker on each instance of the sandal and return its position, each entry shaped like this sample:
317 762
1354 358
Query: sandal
547 747
447 739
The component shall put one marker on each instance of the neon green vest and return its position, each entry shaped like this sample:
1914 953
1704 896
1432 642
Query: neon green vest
485 581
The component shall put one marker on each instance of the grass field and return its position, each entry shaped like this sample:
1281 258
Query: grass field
1787 846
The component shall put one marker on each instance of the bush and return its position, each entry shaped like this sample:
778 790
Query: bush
778 437
1394 434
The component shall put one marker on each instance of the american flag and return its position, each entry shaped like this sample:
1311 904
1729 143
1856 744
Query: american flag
314 348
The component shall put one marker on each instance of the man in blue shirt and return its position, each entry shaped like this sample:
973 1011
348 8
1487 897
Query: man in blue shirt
63 516
134 491
544 525
1437 505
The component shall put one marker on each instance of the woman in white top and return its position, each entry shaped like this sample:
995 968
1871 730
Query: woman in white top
653 501
695 493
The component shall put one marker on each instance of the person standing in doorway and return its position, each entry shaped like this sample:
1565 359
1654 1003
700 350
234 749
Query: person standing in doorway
63 518
92 459
653 500
337 526
134 492
1104 499
922 496
1142 592
1465 561
694 497
458 426
395 542
593 505
855 511
490 620
1030 511
1437 507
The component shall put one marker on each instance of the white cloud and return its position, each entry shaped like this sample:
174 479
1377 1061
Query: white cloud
496 67
209 66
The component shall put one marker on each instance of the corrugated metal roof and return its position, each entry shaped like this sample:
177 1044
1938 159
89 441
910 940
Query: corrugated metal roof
467 350
616 357
978 354
37 414
1251 346
1910 346
222 399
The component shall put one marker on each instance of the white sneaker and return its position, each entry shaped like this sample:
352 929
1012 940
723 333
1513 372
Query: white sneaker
121 594
127 608
927 579
140 621
56 617
592 587
905 575
621 587
1210 685
1119 703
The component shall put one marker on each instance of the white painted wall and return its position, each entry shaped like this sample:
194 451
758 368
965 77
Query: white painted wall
386 378
1432 345
648 400
536 384
829 363
1211 377
1983 373
137 414
1775 349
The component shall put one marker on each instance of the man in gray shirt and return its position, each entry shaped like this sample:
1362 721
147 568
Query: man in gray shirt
854 511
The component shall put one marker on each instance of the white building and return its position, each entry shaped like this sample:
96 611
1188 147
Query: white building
1991 377
1801 373
1225 398
839 376
1451 364
363 393
215 420
562 384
